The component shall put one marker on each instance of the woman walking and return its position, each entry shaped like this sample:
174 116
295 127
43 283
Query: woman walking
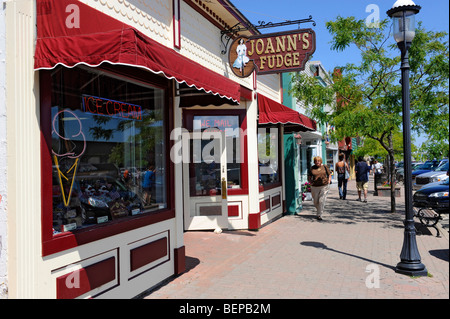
343 172
320 177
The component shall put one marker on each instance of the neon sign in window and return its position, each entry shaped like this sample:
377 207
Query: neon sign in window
101 106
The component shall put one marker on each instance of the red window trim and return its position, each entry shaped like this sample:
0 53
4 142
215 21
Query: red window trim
176 24
188 117
263 188
56 243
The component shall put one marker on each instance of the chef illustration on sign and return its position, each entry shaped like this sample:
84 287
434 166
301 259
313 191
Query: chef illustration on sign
242 58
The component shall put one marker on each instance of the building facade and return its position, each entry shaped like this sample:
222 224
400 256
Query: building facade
301 147
125 127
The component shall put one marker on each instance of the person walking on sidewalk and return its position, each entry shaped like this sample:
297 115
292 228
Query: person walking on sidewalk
343 174
362 181
378 170
320 177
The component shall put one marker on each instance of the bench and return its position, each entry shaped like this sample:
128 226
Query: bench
429 217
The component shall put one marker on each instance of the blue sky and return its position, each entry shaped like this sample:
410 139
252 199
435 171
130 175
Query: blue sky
434 16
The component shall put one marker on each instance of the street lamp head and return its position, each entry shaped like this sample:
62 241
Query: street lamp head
403 12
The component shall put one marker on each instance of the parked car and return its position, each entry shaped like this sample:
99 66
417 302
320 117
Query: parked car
426 167
400 173
439 174
436 183
434 196
444 160
399 165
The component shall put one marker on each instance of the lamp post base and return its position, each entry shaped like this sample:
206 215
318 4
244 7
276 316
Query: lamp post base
411 269
410 263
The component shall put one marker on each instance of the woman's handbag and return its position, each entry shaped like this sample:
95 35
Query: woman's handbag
347 174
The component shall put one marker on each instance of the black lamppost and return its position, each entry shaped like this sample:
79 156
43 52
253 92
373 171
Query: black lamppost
403 13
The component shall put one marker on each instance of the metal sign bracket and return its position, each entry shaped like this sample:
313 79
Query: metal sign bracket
227 35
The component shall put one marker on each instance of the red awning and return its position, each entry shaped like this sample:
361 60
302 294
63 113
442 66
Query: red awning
271 112
99 38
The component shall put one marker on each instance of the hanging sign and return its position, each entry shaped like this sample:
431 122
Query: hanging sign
272 53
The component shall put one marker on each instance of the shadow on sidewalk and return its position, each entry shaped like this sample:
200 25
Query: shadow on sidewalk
191 263
318 245
440 253
351 211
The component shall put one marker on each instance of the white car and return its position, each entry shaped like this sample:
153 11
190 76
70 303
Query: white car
439 174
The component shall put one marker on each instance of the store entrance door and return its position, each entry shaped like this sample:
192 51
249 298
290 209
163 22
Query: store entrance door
205 181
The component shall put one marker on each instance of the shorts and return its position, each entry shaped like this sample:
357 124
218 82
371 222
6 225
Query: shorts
362 185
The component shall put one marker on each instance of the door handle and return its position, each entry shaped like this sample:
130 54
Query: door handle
224 188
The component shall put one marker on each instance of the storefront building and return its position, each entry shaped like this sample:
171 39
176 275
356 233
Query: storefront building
301 146
125 128
329 152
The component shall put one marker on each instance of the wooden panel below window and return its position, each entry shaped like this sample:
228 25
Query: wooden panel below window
209 210
264 205
233 211
276 200
148 253
85 279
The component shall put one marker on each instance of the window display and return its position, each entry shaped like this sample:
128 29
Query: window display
108 148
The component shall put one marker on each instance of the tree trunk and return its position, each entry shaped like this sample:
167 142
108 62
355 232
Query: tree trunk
391 171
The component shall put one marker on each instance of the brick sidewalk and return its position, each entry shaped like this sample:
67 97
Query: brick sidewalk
301 257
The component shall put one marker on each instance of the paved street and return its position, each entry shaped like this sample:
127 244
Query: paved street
342 256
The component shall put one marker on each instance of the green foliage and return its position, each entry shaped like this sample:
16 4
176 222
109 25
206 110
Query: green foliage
429 85
434 149
374 148
366 98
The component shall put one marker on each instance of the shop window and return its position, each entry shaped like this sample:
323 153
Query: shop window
268 157
206 154
108 148
204 168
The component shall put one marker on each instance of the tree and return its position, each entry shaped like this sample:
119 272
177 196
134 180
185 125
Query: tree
374 148
366 99
434 149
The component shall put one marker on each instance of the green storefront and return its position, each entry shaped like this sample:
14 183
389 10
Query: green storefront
292 152
298 157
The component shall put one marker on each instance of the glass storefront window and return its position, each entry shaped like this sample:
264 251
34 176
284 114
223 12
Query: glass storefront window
108 148
269 165
205 167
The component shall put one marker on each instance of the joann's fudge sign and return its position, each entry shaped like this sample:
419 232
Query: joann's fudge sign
272 53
